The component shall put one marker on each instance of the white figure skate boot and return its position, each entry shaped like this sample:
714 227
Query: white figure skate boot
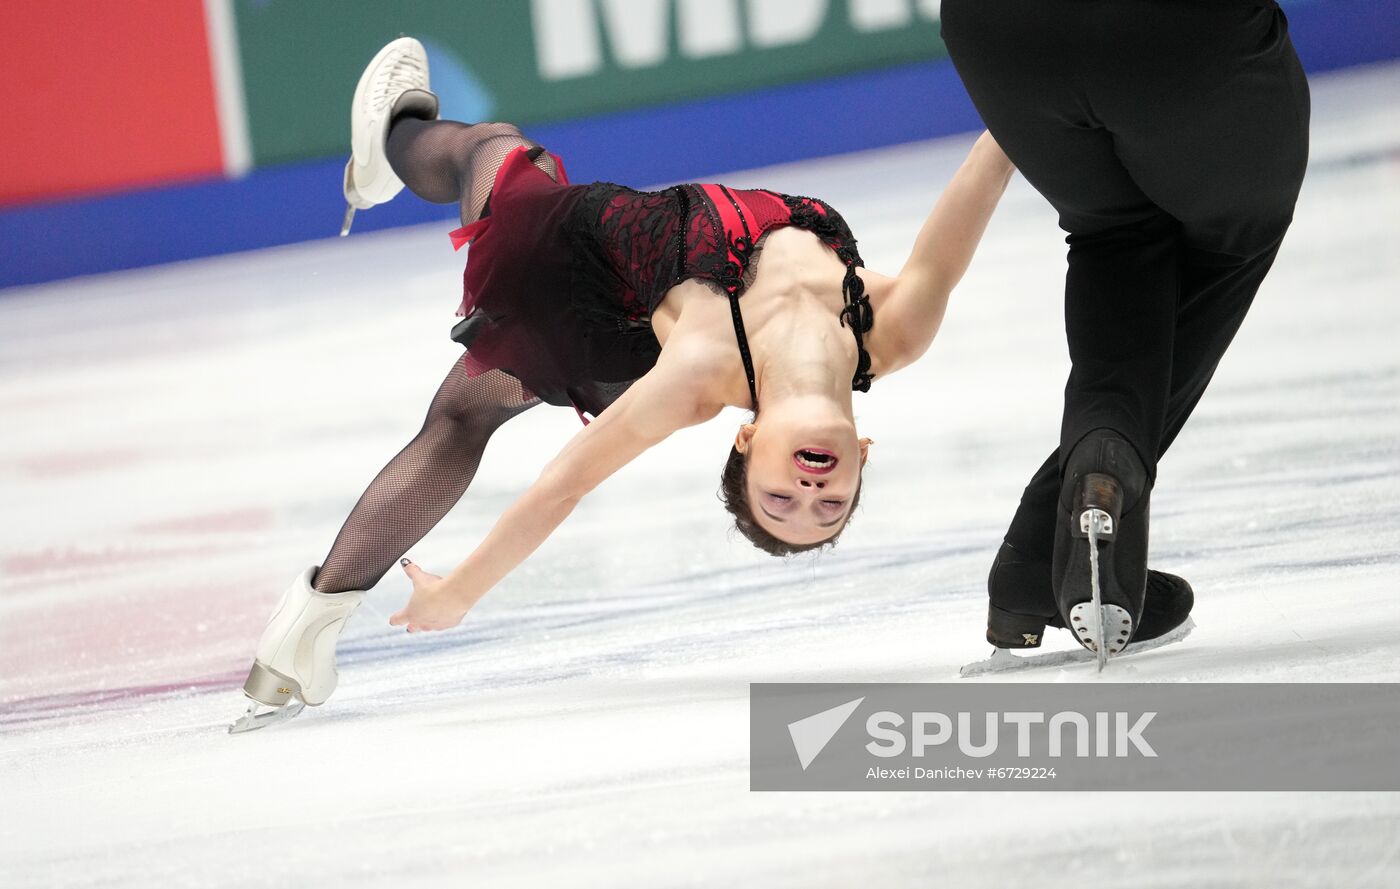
295 660
396 82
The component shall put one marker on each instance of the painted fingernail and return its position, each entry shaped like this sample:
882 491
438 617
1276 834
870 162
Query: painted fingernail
403 561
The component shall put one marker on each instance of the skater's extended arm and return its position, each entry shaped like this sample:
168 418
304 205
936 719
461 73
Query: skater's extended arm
909 309
651 409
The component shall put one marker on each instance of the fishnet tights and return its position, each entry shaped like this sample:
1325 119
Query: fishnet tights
425 480
455 163
444 162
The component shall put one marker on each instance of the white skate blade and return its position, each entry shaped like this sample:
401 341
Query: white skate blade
350 199
261 716
1003 661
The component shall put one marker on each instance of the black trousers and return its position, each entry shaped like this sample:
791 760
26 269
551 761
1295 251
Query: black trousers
1171 136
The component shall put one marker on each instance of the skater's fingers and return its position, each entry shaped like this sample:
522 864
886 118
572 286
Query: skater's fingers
397 619
416 574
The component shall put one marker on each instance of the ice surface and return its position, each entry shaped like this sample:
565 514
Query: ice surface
179 442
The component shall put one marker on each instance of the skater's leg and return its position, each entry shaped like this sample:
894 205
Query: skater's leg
1224 152
1217 293
1122 282
425 479
397 140
447 162
1215 297
1179 143
1205 109
1231 177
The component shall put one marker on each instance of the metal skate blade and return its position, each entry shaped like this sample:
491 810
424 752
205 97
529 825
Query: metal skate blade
1096 519
1003 661
261 716
349 218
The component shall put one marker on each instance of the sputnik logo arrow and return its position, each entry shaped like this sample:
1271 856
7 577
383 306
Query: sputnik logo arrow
811 735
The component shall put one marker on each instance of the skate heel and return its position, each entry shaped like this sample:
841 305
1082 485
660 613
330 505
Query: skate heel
1007 629
274 698
1099 624
1099 504
267 686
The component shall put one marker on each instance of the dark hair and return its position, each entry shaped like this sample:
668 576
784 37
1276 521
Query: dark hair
734 494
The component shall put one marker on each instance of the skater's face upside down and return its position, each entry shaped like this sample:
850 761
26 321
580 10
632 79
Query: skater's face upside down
792 484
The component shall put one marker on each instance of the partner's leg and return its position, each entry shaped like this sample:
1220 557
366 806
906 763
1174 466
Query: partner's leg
1209 129
1216 296
1231 177
1123 269
1122 281
425 480
447 162
1220 146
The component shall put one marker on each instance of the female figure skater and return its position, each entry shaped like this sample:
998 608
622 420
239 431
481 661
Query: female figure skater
625 305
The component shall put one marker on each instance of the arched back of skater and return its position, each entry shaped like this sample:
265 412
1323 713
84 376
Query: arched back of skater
651 311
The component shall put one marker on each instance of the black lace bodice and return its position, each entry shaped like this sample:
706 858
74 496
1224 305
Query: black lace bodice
647 242
562 279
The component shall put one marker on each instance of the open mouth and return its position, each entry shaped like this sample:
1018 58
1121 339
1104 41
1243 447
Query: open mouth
814 460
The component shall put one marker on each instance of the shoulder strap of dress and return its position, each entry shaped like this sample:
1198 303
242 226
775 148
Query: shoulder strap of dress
858 315
743 346
742 246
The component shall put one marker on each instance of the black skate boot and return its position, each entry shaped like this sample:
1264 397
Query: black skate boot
1022 602
1166 606
1100 567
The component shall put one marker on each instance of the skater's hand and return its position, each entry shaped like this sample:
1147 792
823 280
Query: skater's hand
433 606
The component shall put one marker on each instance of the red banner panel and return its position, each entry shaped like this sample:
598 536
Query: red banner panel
104 96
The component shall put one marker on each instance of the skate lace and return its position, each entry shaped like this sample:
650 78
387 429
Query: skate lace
405 74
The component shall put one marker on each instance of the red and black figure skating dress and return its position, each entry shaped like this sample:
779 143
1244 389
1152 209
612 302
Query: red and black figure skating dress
561 279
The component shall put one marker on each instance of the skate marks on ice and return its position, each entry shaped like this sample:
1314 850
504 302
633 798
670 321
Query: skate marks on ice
1003 661
527 645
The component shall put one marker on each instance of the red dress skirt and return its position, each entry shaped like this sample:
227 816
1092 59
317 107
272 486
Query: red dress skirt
561 279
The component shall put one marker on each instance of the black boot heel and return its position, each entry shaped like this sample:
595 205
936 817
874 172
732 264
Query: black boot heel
1098 505
1007 629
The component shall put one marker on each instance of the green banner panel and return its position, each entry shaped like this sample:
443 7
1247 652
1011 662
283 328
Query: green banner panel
530 61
